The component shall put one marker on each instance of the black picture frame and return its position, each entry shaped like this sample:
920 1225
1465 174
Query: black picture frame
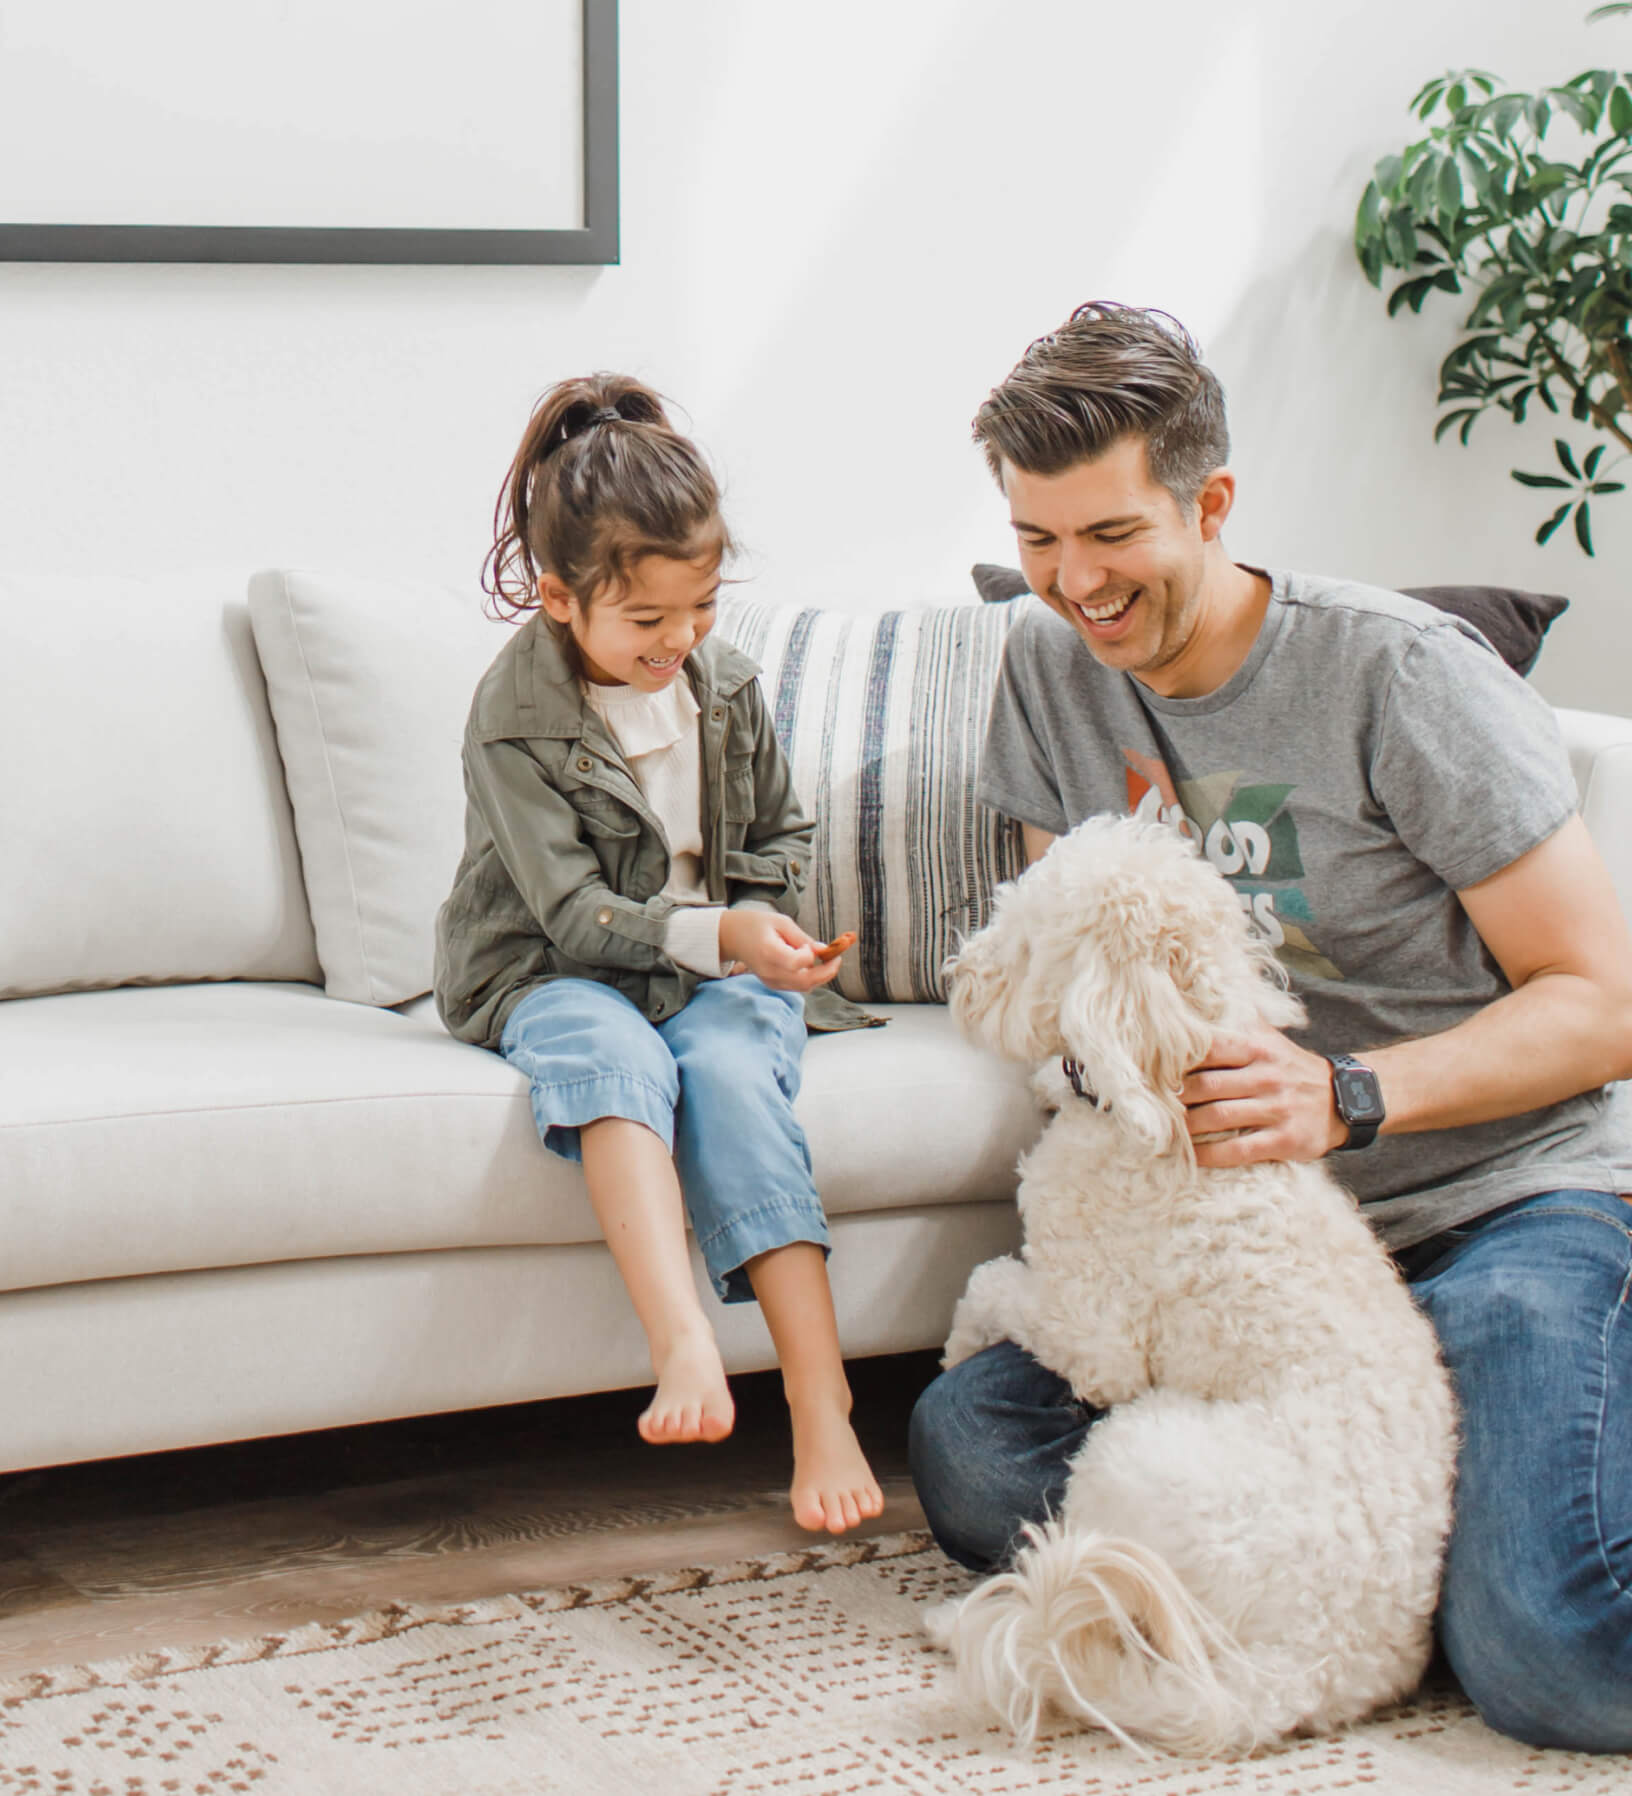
595 242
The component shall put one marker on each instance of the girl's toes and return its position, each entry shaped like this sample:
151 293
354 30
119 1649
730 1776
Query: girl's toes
808 1510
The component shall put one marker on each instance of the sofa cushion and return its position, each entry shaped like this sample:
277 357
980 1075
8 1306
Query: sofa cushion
188 1127
883 716
146 835
370 685
1511 621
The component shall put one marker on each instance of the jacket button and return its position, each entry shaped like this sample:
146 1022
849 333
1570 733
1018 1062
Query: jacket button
585 764
793 866
717 713
603 916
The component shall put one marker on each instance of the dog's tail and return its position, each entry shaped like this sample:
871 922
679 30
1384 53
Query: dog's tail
1101 1628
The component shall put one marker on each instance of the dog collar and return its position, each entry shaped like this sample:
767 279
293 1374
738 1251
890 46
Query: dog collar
1073 1071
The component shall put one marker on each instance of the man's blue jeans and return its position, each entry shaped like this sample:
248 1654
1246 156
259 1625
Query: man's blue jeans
1533 1306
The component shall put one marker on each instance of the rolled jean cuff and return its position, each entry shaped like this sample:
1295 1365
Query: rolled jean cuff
561 1109
779 1222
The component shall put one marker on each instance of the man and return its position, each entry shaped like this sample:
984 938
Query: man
1396 811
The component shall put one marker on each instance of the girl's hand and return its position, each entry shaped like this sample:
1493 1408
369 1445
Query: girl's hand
774 949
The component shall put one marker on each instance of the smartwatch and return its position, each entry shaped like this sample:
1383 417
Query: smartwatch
1359 1101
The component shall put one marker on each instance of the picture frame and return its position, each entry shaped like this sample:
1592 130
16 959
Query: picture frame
594 241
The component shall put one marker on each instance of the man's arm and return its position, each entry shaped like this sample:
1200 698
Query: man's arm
1553 924
1037 842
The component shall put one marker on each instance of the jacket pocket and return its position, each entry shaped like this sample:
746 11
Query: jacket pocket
599 814
738 804
755 869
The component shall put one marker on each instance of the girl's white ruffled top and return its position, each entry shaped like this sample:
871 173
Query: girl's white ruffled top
658 736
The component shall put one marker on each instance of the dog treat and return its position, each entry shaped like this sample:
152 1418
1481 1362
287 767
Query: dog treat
840 944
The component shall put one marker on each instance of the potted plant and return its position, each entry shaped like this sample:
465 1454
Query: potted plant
1524 202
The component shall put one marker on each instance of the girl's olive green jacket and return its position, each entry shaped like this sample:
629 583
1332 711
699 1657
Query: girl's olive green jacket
564 863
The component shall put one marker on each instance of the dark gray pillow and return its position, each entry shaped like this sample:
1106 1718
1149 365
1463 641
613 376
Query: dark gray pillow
1512 622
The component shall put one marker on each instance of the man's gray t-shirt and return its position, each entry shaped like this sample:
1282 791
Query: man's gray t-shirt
1370 758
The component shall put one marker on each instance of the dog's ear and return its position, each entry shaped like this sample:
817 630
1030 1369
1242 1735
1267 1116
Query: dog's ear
1137 1034
1228 970
994 989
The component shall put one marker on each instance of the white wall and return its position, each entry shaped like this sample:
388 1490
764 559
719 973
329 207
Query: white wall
841 225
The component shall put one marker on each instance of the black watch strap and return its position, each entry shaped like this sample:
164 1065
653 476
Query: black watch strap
1359 1100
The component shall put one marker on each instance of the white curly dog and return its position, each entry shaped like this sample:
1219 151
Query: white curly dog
1250 1542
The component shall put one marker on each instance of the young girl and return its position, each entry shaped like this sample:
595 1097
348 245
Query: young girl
621 925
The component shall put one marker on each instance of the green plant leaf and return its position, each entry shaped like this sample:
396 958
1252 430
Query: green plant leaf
1610 11
1554 521
1545 394
1464 417
1566 460
1388 174
1408 293
1594 455
1547 177
1400 236
1449 186
1368 219
1520 248
1503 114
1427 96
1475 172
1607 486
1419 192
1620 110
1540 480
1539 114
1583 528
1583 108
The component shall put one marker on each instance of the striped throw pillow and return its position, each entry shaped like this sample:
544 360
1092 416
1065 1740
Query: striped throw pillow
882 717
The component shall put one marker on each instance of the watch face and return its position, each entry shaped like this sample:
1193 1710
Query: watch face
1358 1099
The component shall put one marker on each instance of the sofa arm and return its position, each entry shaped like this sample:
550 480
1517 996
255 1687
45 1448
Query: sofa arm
1601 756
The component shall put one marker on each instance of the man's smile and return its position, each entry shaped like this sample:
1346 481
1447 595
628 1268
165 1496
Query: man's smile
1108 612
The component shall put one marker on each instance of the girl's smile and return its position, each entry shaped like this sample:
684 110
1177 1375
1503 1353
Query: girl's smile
641 634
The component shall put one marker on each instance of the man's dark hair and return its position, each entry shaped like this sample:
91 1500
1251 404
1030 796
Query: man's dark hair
1109 372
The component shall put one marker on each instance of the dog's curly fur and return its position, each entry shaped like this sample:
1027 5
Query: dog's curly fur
1251 1539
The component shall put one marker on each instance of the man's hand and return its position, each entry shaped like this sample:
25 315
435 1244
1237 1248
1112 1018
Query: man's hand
1276 1094
775 949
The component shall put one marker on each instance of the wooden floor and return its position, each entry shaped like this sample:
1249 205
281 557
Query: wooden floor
101 1560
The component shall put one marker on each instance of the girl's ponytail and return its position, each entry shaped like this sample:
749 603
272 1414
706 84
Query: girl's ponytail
601 478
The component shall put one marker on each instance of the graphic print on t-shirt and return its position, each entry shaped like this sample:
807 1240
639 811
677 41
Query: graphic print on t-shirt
1246 830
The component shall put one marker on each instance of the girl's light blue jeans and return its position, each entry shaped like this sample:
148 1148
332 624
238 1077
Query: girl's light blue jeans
1533 1306
715 1083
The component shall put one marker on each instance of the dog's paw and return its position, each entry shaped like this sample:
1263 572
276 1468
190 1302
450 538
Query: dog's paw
994 1307
940 1623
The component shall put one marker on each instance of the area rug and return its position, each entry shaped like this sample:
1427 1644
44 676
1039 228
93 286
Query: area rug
806 1674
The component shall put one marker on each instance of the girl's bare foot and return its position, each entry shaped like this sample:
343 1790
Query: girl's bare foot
833 1485
693 1401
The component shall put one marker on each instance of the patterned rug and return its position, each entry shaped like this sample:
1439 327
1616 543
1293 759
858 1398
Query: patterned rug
801 1675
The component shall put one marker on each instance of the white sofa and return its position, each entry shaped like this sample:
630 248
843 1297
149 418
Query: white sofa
247 1183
